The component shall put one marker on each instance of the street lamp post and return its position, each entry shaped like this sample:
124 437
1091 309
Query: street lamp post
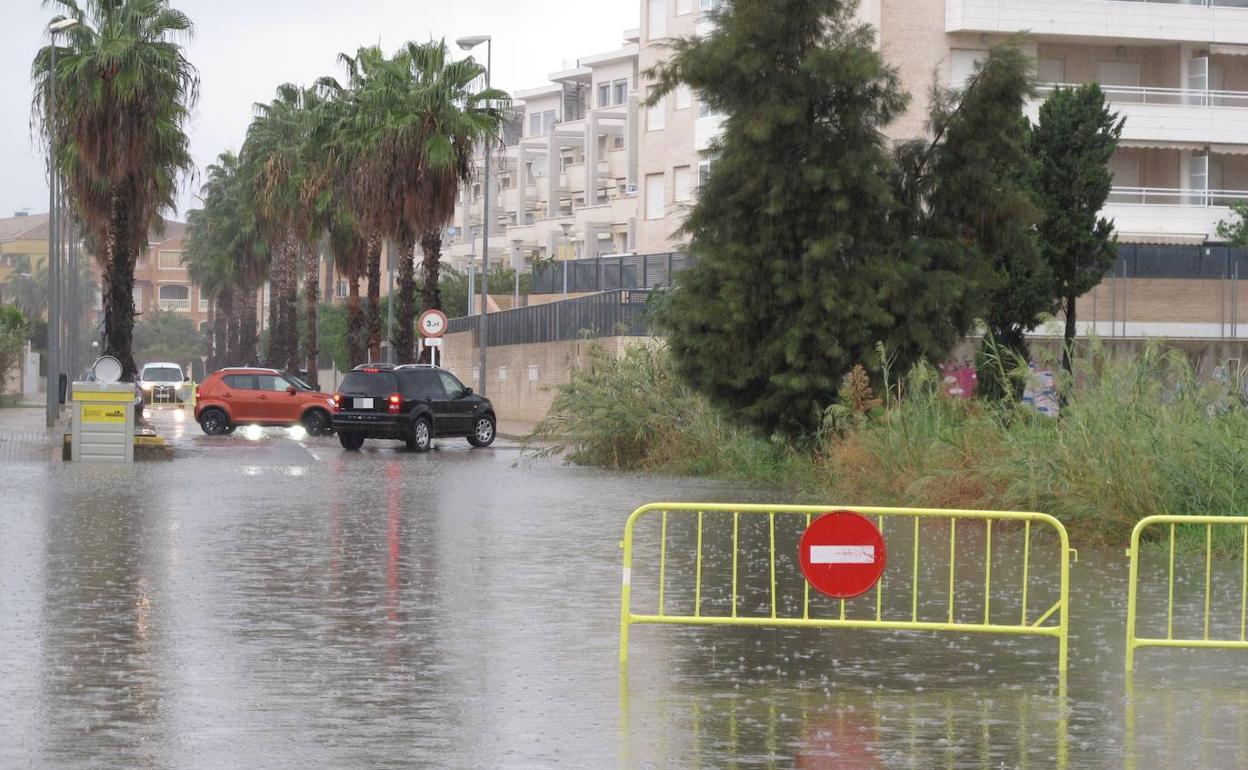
54 244
467 44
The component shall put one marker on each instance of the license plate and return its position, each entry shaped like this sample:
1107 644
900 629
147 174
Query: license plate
363 403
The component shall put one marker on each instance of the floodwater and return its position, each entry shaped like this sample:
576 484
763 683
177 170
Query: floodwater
270 601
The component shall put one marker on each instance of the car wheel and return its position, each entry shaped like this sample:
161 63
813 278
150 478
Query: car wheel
351 441
214 422
483 431
421 437
316 422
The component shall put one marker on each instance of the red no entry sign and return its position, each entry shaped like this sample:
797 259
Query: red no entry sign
842 554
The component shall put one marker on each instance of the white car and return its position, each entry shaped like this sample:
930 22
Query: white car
163 383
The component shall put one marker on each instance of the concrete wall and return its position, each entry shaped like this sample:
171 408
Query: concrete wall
525 395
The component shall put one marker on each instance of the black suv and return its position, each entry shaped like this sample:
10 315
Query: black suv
411 403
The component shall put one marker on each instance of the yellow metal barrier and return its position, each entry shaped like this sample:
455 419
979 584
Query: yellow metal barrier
795 515
1208 522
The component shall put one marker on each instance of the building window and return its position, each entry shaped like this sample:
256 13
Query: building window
604 94
170 260
704 171
658 18
535 124
203 303
617 142
342 289
709 5
656 116
683 7
502 374
172 296
654 196
620 88
137 294
682 189
1051 71
534 372
684 97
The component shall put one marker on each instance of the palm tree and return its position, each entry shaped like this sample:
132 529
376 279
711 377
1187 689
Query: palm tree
278 144
358 170
124 90
454 118
415 119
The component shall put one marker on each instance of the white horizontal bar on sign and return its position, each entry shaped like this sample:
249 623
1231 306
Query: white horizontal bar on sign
842 554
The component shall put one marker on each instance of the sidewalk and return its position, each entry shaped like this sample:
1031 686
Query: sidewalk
23 435
515 430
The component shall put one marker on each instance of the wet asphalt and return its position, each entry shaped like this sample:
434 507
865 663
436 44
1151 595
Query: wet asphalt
268 600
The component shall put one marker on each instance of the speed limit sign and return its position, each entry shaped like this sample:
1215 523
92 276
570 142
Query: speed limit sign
432 323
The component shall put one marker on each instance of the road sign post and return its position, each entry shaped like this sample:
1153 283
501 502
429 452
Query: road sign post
842 554
432 324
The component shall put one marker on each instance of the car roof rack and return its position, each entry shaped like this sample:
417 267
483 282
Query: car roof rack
417 366
248 368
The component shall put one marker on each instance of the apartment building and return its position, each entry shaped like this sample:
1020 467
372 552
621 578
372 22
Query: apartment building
566 183
161 281
622 174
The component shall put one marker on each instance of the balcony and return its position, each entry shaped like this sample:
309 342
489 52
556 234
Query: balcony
181 305
1194 21
1172 115
1169 215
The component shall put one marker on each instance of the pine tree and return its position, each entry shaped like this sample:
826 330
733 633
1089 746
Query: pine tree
800 272
1072 144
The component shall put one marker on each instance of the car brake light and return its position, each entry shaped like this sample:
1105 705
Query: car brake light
337 400
371 371
395 402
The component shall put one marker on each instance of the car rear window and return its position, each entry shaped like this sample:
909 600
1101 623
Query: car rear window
369 383
162 374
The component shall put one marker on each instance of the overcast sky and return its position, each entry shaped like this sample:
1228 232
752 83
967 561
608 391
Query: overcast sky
245 48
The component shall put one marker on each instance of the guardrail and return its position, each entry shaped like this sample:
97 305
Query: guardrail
1134 641
731 600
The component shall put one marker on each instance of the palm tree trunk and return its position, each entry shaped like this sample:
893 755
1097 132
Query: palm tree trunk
223 310
118 283
312 296
431 245
404 304
374 297
283 350
245 323
357 343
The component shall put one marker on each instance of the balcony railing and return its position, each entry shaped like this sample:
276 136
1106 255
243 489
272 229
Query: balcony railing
1169 196
175 304
1151 95
1206 3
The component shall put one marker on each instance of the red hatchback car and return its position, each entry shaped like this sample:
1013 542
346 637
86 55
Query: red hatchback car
253 396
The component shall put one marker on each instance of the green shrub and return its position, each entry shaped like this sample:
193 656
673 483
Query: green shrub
633 413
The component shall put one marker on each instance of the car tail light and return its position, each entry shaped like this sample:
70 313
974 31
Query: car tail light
337 400
394 403
197 393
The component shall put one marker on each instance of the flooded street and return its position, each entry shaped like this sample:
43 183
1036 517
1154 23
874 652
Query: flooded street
269 600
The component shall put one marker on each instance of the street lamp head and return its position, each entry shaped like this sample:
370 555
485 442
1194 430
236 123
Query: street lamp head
471 42
62 25
567 228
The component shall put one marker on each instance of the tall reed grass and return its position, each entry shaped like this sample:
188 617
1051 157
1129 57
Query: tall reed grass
1137 436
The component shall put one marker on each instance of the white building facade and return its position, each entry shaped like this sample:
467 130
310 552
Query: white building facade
593 172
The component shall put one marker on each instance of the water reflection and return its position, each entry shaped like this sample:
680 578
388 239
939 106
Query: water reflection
267 603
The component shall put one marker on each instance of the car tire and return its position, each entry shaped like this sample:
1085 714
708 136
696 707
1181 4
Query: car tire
421 437
351 441
484 430
316 422
215 422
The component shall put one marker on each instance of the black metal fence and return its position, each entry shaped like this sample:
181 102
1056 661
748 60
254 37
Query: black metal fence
1141 261
632 271
620 313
